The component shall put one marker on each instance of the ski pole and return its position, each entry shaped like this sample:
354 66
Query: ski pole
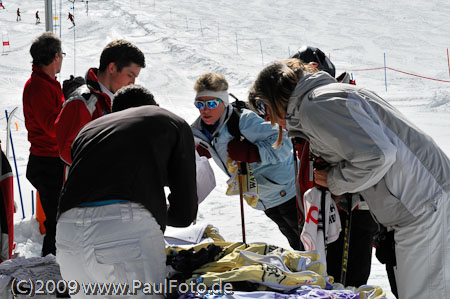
8 129
15 165
323 200
297 183
300 210
346 247
242 171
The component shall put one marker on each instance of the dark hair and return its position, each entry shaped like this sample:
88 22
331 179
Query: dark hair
132 96
122 53
44 48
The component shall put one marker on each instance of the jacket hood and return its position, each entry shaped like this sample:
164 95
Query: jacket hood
308 83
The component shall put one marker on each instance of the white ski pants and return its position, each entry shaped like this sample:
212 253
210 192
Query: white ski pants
423 254
115 243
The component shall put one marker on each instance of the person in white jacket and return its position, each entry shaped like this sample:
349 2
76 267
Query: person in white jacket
373 149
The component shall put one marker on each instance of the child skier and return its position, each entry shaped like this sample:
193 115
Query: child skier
70 17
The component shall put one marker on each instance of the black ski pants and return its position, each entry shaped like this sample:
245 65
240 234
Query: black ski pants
362 238
46 175
286 217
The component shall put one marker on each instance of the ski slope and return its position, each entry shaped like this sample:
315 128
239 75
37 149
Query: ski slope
184 39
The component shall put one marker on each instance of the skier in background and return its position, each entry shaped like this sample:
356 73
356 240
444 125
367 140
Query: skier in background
70 17
38 20
1 4
18 18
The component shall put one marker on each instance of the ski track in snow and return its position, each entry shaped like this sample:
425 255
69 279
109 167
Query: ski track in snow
183 39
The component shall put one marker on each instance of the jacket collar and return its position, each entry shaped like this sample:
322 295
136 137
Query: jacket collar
92 80
39 72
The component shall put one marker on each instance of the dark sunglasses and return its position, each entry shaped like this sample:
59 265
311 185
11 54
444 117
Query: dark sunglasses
211 104
260 108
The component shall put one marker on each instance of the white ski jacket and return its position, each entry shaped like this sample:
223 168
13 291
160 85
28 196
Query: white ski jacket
372 147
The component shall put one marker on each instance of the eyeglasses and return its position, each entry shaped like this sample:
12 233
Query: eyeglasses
63 54
211 104
260 108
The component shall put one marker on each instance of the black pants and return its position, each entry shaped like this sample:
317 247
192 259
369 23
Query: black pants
286 217
385 253
362 233
46 175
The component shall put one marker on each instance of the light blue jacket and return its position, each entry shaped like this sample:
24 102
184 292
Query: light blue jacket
274 174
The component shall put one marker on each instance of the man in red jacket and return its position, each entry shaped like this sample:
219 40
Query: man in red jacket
42 102
120 64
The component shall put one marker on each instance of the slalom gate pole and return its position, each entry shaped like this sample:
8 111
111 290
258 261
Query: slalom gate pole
241 197
346 247
15 165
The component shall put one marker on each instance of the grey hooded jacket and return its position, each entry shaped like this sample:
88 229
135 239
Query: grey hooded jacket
372 147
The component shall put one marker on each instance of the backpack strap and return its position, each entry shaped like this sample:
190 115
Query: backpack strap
233 121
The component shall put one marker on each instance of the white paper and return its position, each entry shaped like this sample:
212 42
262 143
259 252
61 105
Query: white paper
206 181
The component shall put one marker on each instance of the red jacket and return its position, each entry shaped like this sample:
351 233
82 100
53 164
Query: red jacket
7 208
42 102
86 103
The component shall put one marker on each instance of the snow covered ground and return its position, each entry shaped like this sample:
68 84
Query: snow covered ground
183 39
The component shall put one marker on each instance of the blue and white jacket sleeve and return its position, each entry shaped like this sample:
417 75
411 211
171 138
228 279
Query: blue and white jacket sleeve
263 135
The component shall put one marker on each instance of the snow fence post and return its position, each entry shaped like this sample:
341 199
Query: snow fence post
385 77
448 61
262 56
237 50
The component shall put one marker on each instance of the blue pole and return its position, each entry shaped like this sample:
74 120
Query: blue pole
385 77
32 202
15 164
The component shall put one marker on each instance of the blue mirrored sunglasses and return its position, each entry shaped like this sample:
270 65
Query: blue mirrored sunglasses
211 104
